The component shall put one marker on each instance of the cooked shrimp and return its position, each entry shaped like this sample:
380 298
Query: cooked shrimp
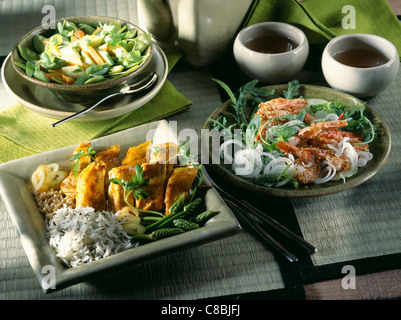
305 154
325 139
271 110
318 127
341 163
306 174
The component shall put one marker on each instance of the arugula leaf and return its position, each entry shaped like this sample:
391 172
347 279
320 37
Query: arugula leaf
270 179
292 91
227 89
184 154
240 104
251 132
329 107
360 124
250 88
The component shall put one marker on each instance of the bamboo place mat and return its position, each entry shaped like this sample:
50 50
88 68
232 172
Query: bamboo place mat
361 226
234 268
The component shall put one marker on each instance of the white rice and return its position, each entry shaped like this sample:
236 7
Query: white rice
82 235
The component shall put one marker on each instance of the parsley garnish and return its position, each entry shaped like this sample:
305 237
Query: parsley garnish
91 153
134 185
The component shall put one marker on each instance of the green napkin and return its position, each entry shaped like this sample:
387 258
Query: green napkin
322 20
23 132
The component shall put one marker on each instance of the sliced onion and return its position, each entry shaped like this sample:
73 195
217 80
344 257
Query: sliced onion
227 152
247 163
363 158
330 173
349 151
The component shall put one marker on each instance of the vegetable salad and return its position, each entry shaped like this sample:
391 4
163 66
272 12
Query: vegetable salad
82 54
289 141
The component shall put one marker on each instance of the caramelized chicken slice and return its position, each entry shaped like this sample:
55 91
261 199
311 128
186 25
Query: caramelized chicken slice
116 192
137 154
109 156
164 153
69 184
179 182
155 189
90 187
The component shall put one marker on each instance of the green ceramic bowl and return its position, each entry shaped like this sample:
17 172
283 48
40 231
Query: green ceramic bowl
380 148
86 93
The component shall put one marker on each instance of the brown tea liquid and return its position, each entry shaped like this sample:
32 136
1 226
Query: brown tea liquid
361 58
271 43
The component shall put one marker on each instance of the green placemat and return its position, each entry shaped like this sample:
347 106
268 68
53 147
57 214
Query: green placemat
323 20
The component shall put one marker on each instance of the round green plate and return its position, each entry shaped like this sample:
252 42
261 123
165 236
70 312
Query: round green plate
380 148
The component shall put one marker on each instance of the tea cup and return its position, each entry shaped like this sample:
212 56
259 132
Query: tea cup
353 78
264 65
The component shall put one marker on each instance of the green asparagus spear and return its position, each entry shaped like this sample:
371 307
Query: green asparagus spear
185 225
203 217
158 234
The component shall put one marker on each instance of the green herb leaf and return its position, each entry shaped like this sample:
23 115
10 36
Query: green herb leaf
251 132
292 91
227 89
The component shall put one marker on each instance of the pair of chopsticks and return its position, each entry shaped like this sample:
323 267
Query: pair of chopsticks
245 211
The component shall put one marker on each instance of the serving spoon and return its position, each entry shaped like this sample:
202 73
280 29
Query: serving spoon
143 82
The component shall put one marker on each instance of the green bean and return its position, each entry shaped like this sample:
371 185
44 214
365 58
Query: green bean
88 29
94 79
21 65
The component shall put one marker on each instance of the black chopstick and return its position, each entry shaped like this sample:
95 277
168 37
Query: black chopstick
262 233
246 206
282 229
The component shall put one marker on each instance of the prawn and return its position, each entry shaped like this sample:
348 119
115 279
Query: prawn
307 154
317 128
308 157
271 111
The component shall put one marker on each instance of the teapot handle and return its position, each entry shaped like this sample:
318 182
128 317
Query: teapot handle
155 16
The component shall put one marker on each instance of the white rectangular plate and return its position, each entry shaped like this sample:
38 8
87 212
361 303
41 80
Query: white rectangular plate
19 201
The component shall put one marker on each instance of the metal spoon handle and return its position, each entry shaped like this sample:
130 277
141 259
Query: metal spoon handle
147 80
84 110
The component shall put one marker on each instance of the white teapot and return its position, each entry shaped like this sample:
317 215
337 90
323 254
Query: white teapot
202 29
